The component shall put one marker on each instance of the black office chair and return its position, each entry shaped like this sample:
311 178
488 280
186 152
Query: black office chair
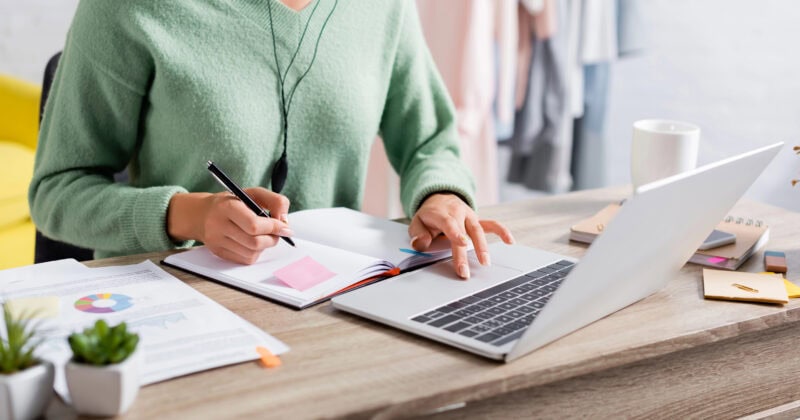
47 249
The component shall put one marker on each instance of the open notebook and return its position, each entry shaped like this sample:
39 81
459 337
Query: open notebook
337 249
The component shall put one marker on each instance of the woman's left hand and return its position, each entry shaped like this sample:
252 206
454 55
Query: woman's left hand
445 213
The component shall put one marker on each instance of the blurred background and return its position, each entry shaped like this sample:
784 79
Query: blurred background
547 90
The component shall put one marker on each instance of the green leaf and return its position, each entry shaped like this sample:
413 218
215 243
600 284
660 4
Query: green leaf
103 345
119 355
115 339
101 328
16 351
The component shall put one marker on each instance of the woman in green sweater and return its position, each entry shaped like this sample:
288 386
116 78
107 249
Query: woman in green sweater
162 87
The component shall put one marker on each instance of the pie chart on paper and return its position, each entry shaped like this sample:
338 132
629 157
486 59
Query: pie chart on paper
103 303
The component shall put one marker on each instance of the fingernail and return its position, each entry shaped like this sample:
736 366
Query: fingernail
487 260
463 271
285 232
413 240
284 218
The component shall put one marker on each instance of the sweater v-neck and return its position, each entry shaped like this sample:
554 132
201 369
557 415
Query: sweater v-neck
282 15
287 22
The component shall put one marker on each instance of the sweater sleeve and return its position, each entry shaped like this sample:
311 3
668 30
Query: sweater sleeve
418 123
89 132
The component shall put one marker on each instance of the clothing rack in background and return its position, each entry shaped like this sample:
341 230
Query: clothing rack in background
530 75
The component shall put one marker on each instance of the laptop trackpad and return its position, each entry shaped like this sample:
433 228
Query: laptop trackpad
434 286
444 271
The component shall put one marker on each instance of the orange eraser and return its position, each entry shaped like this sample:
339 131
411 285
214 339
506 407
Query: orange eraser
267 358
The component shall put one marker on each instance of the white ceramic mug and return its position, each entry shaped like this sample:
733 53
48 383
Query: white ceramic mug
662 148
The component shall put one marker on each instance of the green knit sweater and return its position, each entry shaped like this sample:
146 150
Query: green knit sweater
161 87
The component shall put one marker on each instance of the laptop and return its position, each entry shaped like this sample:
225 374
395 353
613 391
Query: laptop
530 297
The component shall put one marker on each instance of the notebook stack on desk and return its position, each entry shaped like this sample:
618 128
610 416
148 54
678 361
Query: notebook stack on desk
751 235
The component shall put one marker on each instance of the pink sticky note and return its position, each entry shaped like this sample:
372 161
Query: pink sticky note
303 274
717 260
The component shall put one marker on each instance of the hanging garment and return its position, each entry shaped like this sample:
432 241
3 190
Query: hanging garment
589 143
462 36
598 31
532 19
541 152
505 61
533 6
598 48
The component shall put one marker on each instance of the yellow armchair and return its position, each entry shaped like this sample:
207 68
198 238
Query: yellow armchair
19 126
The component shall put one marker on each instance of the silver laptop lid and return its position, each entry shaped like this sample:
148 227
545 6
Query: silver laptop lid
645 246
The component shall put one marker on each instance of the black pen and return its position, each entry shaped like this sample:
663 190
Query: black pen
241 195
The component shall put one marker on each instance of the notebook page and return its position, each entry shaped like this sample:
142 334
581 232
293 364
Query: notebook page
346 268
360 233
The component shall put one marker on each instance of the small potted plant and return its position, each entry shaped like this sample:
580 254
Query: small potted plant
103 374
26 383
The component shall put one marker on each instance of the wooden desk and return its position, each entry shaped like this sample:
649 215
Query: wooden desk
673 354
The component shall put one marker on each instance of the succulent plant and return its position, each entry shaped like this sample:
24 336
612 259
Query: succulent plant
102 345
16 352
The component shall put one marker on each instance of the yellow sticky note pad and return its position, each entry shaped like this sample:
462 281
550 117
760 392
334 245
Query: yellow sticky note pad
34 307
791 289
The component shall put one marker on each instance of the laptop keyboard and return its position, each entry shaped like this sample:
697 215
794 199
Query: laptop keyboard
500 314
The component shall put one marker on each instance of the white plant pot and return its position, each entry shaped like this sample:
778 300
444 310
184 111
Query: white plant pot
103 390
25 395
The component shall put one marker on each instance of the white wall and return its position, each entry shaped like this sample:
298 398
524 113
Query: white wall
730 66
31 31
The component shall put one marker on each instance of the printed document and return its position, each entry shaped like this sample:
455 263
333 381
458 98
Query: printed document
181 330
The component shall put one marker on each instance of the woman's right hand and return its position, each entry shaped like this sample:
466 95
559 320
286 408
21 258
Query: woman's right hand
226 226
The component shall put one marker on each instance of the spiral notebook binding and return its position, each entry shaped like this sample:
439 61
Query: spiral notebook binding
743 221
